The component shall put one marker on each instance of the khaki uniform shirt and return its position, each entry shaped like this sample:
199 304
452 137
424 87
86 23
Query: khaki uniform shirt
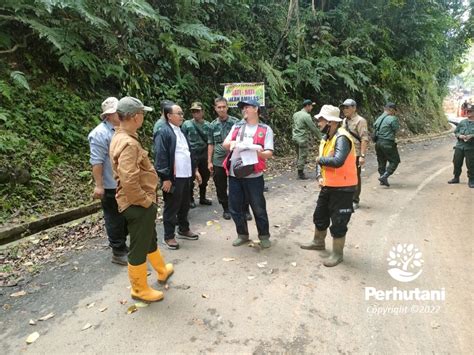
135 175
357 125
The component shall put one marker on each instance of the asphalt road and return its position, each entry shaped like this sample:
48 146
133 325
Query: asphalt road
292 303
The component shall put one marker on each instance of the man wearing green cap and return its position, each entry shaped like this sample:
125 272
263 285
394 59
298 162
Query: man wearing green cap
136 198
385 129
303 126
197 130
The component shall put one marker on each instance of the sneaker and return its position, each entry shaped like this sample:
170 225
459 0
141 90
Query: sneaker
454 180
171 244
226 215
187 235
192 204
355 205
241 240
248 216
205 201
265 243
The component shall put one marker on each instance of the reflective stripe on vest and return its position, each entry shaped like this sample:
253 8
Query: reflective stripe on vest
258 138
346 175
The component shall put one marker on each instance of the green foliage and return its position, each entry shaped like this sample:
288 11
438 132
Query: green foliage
61 58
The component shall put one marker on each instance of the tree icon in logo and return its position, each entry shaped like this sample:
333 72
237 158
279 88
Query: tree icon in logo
405 261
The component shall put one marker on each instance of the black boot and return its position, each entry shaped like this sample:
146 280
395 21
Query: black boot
384 179
301 175
454 180
471 183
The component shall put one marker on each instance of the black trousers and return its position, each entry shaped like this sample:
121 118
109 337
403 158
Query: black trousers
141 223
356 197
458 159
205 175
220 180
333 208
176 207
115 223
387 152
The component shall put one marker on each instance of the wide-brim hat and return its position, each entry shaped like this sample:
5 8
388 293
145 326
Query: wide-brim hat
329 113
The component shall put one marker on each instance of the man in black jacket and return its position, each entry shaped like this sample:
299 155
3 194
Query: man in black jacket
176 168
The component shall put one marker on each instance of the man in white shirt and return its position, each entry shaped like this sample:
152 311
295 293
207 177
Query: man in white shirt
176 168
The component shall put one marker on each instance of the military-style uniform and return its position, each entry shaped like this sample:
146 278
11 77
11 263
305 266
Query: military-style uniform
197 134
303 125
464 149
218 131
385 128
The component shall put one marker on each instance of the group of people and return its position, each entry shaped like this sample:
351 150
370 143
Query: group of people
233 151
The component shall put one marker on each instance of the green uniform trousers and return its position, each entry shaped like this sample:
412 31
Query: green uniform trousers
387 151
458 158
302 150
142 230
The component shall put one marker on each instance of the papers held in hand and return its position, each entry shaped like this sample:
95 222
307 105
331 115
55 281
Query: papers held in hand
247 152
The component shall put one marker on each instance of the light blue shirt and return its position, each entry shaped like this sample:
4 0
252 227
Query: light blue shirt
99 141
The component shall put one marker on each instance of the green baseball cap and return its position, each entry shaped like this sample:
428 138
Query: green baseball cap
131 105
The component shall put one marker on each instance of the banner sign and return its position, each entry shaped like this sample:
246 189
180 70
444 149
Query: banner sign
236 92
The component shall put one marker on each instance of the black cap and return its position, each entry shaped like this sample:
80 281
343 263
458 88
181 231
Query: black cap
307 102
390 105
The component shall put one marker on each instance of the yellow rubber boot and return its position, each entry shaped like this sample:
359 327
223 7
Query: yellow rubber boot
140 289
157 262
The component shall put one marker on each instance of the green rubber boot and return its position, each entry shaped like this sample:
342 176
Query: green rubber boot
318 241
337 252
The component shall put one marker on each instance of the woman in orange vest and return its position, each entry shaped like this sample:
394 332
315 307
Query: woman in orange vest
337 176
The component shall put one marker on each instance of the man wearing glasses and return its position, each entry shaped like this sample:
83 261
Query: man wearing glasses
175 165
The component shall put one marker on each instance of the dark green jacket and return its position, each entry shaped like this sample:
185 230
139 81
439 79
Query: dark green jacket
197 134
465 127
386 127
218 131
158 125
303 125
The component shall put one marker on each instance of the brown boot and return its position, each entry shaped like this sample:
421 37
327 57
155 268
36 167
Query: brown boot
318 241
140 289
157 262
336 256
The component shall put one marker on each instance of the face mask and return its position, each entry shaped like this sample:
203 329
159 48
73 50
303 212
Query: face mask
325 130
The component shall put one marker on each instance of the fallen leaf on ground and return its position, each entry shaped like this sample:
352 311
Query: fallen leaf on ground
293 264
132 309
90 305
123 301
167 287
32 322
435 325
46 317
357 246
18 294
209 223
32 338
204 295
202 233
251 277
228 259
86 326
103 309
141 304
262 264
277 226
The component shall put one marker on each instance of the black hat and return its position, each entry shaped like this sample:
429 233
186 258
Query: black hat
390 105
307 102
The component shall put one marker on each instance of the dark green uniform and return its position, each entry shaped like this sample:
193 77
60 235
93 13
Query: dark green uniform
385 128
218 130
303 126
158 124
464 149
197 134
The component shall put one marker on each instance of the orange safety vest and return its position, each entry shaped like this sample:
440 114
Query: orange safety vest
344 176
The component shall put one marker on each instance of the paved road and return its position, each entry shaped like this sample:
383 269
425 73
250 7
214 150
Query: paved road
292 304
